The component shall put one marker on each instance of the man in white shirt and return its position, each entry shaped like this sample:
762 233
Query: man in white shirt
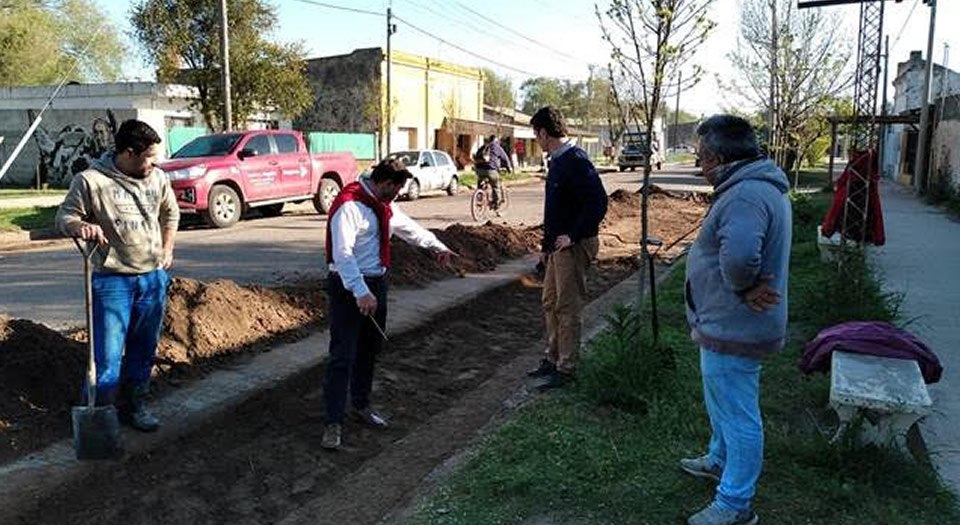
361 221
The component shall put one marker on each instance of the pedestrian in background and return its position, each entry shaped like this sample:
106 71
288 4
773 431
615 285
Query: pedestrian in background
361 221
574 205
125 204
736 295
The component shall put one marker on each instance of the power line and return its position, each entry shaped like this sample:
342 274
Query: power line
905 22
465 50
342 8
448 17
428 34
521 35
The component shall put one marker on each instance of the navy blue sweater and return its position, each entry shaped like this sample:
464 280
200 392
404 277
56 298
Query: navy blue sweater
575 201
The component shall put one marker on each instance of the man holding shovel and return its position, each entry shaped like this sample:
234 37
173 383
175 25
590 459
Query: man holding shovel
125 205
361 221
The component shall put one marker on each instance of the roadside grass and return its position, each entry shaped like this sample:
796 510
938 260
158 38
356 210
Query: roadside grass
15 193
606 451
469 178
812 177
27 219
681 157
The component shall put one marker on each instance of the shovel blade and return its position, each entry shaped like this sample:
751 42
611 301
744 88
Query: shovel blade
96 433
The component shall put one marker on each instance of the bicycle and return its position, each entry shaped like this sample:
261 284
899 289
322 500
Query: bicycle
481 202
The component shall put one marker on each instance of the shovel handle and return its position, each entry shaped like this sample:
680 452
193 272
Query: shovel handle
87 252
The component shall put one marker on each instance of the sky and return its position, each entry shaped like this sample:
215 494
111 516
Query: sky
558 38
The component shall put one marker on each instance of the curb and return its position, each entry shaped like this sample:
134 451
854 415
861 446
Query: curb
26 480
28 240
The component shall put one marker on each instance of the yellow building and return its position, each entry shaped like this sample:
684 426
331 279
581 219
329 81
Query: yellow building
433 102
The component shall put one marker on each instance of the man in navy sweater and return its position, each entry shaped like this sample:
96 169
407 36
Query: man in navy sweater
574 205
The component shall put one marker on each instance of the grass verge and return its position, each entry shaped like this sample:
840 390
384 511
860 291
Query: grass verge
21 193
469 178
27 219
609 456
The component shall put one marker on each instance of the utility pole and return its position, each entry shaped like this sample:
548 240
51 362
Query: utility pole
391 29
921 164
676 114
772 117
225 58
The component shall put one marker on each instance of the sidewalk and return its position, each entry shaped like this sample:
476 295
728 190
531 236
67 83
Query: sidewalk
920 260
32 202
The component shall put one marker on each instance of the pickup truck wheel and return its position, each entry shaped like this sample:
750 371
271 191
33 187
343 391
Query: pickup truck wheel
327 191
413 191
272 210
622 168
224 207
454 186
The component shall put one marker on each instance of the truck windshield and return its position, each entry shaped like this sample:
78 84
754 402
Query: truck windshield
208 146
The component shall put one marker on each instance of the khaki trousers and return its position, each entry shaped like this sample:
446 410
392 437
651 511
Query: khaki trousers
564 292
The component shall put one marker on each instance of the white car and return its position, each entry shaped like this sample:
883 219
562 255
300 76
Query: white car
432 170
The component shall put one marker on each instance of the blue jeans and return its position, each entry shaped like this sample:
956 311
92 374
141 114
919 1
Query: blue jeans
127 319
731 392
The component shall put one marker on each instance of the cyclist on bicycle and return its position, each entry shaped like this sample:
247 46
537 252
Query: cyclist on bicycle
488 161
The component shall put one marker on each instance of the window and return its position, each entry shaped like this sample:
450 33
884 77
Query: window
208 146
442 158
286 143
427 159
260 144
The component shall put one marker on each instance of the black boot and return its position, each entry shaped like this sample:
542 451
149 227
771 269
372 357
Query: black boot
133 410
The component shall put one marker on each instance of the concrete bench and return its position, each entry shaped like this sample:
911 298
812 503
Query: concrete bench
889 393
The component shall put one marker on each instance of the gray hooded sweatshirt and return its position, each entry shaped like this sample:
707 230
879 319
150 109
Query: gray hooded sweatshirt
746 235
133 213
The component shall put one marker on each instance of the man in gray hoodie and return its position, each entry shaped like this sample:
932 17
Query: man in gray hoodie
736 294
125 204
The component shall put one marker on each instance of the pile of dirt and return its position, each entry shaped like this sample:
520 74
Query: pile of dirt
211 324
204 320
673 217
40 376
480 249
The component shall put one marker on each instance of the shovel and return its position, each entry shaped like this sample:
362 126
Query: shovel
96 430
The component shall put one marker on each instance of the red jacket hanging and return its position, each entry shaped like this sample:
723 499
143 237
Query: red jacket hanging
863 166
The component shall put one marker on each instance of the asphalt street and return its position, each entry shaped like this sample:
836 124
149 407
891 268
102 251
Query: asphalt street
46 284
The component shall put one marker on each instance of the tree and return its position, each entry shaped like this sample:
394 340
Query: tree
805 65
651 42
182 38
542 91
41 41
497 90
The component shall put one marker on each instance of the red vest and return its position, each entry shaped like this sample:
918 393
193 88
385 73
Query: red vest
356 192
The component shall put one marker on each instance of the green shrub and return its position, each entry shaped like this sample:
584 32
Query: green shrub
623 368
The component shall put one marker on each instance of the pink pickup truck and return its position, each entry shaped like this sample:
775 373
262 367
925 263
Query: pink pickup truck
221 176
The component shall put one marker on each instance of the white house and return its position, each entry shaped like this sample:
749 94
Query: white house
80 123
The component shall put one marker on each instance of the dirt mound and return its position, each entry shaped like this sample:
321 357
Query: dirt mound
480 249
672 217
207 319
40 376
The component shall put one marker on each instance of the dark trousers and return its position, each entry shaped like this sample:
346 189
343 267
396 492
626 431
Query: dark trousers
354 345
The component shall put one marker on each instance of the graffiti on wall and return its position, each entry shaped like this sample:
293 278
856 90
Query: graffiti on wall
73 148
